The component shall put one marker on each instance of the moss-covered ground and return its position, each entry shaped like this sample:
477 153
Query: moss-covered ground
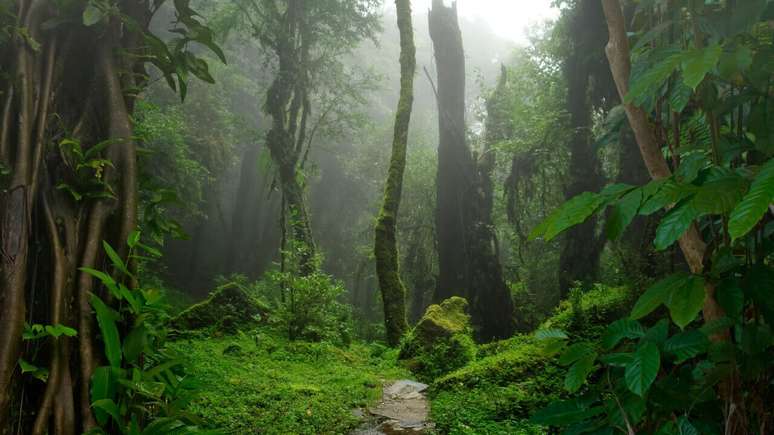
261 383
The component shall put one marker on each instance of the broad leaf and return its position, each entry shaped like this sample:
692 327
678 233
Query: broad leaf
620 329
730 297
578 372
103 386
576 352
698 62
687 345
115 259
658 294
623 213
686 301
675 224
643 369
571 213
109 407
754 204
106 318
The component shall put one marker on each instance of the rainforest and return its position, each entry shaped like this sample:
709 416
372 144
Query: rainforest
368 217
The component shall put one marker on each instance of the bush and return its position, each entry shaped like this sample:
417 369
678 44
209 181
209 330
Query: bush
441 341
308 307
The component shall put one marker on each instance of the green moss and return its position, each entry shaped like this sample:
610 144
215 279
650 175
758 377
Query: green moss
510 379
441 341
226 309
274 386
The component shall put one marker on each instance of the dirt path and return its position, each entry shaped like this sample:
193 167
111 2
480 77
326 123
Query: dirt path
404 409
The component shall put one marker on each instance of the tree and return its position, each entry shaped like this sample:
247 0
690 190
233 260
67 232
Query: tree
385 243
467 258
69 166
307 40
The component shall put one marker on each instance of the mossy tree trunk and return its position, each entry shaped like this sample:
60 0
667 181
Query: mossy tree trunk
385 243
288 104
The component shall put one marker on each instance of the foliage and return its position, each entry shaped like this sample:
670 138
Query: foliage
511 379
284 387
144 388
646 375
308 307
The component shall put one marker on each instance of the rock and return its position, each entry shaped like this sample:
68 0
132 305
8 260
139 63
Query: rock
441 342
227 308
403 410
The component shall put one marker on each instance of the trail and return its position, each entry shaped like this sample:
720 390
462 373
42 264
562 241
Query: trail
404 409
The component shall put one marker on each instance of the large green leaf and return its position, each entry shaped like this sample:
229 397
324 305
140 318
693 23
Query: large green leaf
754 204
103 386
115 258
696 63
108 407
658 294
720 193
569 214
106 318
686 301
578 372
643 369
686 345
675 224
623 213
730 297
576 352
620 329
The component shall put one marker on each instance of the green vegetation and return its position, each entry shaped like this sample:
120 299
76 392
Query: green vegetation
258 380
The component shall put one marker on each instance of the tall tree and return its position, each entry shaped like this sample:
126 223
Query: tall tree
467 251
385 243
582 245
69 76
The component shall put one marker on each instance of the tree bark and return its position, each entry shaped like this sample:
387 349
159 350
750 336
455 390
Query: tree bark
385 243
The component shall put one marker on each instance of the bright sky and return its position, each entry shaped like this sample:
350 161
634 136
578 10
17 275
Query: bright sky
507 18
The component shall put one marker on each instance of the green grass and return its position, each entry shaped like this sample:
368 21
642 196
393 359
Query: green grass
260 383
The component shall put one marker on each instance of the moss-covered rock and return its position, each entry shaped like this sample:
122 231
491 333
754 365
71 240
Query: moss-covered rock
225 310
511 379
441 341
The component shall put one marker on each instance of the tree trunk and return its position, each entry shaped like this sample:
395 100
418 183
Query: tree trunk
385 243
455 164
581 245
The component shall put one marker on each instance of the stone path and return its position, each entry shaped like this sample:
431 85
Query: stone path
404 409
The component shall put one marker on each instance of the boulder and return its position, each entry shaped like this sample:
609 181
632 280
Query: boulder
226 309
441 341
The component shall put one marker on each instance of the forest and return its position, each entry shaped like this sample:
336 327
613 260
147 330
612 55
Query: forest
370 217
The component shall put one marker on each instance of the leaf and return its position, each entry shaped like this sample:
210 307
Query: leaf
617 359
38 373
133 239
623 213
106 318
754 204
720 194
103 386
620 329
118 263
675 224
685 427
134 343
578 372
109 407
571 213
106 280
686 345
686 301
58 330
698 62
643 369
92 14
576 352
658 294
551 333
563 413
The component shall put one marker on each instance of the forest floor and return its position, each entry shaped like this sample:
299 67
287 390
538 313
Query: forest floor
259 382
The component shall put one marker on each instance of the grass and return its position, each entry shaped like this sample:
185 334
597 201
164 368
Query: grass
260 383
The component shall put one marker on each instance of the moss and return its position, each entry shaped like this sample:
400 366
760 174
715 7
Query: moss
274 386
226 309
441 341
511 379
